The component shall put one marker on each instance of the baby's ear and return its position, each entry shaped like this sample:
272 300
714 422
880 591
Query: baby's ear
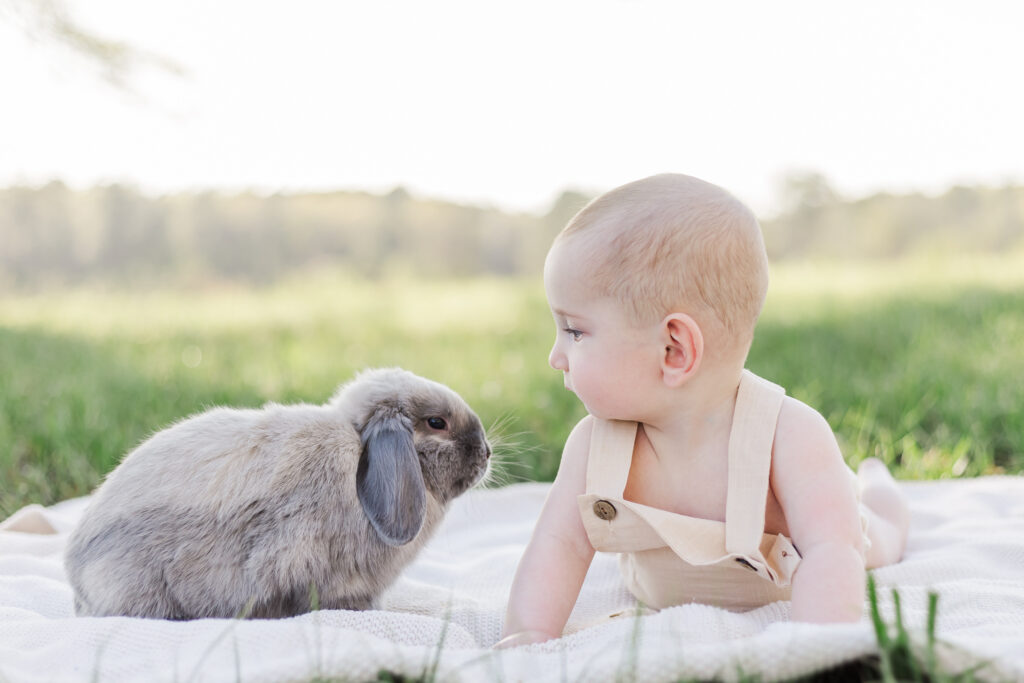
684 348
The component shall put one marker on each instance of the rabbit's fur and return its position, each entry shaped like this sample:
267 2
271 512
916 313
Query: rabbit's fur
262 512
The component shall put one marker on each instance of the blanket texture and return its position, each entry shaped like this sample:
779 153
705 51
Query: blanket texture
445 612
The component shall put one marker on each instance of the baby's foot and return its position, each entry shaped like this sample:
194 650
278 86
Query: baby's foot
880 492
873 467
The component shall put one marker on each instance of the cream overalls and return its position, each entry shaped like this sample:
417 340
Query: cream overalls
670 559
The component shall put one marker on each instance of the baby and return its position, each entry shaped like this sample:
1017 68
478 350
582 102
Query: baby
712 484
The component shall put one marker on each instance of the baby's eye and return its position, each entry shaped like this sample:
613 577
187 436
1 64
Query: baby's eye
576 334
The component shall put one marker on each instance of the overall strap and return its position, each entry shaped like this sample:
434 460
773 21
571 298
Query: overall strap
611 453
756 415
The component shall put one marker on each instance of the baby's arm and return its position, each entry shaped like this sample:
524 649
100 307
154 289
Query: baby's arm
818 497
556 560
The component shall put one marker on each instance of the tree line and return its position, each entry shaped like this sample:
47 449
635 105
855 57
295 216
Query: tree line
53 235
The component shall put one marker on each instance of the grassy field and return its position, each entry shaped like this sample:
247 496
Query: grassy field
918 363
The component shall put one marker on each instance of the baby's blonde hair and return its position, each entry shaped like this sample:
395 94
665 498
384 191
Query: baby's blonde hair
673 243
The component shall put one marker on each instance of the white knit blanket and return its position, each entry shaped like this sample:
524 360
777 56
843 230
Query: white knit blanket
443 615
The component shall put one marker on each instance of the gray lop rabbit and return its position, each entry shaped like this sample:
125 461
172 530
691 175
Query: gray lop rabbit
234 512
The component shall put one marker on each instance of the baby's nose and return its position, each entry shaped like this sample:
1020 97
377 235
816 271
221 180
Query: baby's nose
556 359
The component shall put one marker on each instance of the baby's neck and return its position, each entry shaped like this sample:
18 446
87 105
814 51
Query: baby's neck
698 416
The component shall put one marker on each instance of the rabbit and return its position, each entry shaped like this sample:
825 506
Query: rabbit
268 513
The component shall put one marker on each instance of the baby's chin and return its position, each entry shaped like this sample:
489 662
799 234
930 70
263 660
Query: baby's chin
605 411
586 405
594 411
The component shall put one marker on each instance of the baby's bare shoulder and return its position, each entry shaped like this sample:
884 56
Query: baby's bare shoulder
802 432
576 450
805 453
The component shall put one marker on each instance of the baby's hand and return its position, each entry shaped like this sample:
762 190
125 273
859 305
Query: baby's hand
518 638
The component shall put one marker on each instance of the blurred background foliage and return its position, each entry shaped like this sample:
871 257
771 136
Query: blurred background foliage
54 235
49 22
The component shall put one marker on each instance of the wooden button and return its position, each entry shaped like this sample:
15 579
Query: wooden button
604 510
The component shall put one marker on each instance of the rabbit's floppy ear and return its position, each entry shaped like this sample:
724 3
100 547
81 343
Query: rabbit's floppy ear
388 480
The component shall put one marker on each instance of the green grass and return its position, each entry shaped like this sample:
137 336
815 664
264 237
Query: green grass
915 363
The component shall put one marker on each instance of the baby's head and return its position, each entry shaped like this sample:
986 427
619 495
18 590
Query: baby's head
673 243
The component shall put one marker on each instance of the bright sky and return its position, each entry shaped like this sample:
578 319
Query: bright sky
508 103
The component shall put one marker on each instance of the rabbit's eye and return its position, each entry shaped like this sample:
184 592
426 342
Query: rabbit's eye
436 422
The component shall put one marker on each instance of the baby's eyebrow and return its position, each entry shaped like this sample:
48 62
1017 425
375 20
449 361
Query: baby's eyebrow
563 314
566 315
